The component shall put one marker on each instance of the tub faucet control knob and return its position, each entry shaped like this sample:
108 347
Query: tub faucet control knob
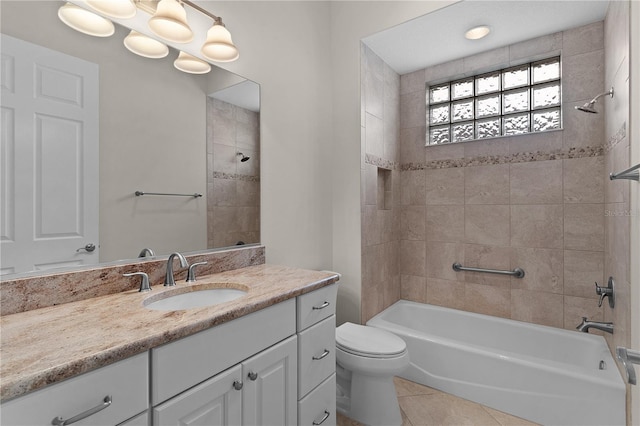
606 292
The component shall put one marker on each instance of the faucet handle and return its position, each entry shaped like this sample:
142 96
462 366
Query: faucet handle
607 291
144 280
191 275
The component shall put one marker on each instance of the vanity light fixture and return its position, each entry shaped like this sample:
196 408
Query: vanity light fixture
218 46
122 9
189 63
478 32
168 21
85 21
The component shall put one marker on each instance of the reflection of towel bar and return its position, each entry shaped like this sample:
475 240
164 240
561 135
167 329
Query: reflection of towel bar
139 193
627 174
518 272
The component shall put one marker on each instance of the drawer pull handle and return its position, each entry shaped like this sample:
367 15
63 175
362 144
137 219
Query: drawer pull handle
252 375
318 358
325 417
59 421
237 385
324 305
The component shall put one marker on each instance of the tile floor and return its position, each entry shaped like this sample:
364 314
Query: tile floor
422 405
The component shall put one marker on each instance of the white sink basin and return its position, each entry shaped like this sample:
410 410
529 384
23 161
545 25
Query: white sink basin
193 298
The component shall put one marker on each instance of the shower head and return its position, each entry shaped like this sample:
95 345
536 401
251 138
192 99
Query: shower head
244 157
590 106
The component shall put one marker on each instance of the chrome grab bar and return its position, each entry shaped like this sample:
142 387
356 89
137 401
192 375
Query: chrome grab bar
518 272
140 193
627 174
628 358
59 421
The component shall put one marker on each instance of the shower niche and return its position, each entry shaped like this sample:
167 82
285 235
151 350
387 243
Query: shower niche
385 194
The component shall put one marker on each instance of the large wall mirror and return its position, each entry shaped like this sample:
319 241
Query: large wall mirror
156 130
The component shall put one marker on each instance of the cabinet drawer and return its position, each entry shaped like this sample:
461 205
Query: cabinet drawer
316 355
180 365
126 382
316 306
319 407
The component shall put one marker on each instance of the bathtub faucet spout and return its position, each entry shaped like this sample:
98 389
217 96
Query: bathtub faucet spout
585 325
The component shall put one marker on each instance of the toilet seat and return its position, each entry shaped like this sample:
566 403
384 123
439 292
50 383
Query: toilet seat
368 342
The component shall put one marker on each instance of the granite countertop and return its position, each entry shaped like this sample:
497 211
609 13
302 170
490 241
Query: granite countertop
43 346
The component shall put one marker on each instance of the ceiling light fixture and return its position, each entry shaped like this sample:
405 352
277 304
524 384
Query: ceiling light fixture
478 32
168 21
85 21
145 46
189 63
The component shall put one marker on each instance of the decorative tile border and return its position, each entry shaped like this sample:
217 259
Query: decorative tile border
521 157
616 138
235 176
381 162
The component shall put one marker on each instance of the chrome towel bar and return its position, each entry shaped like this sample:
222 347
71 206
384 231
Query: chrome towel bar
140 193
627 174
518 272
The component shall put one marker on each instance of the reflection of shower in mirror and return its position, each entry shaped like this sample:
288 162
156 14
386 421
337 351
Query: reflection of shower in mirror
244 157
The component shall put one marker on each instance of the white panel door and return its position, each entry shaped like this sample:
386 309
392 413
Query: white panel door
49 158
270 386
215 402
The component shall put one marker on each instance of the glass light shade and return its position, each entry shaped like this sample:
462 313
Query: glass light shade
476 33
218 46
123 9
145 46
189 63
85 21
170 22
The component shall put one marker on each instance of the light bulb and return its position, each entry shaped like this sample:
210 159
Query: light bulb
85 21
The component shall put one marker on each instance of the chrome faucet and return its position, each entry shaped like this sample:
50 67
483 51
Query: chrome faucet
168 279
146 252
585 325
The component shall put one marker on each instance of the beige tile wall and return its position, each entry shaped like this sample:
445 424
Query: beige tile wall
534 201
381 186
617 193
233 187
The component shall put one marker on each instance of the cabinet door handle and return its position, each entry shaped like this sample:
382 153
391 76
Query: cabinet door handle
318 358
325 417
252 375
237 385
59 421
324 305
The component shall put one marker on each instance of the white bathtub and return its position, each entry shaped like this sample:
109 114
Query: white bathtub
543 374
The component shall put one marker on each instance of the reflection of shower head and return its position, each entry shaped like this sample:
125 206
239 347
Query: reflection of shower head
589 106
244 157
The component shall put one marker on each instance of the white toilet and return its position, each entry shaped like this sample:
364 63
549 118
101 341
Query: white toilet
367 358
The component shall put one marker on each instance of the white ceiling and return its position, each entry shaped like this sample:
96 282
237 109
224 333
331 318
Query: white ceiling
438 37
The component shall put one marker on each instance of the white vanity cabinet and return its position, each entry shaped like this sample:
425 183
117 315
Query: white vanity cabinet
275 366
244 372
124 383
316 327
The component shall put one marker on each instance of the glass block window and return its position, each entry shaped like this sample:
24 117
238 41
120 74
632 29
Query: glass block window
512 101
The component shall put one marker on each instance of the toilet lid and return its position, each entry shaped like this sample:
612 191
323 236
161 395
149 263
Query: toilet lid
368 341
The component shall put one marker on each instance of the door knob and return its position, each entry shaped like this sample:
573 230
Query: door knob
89 248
